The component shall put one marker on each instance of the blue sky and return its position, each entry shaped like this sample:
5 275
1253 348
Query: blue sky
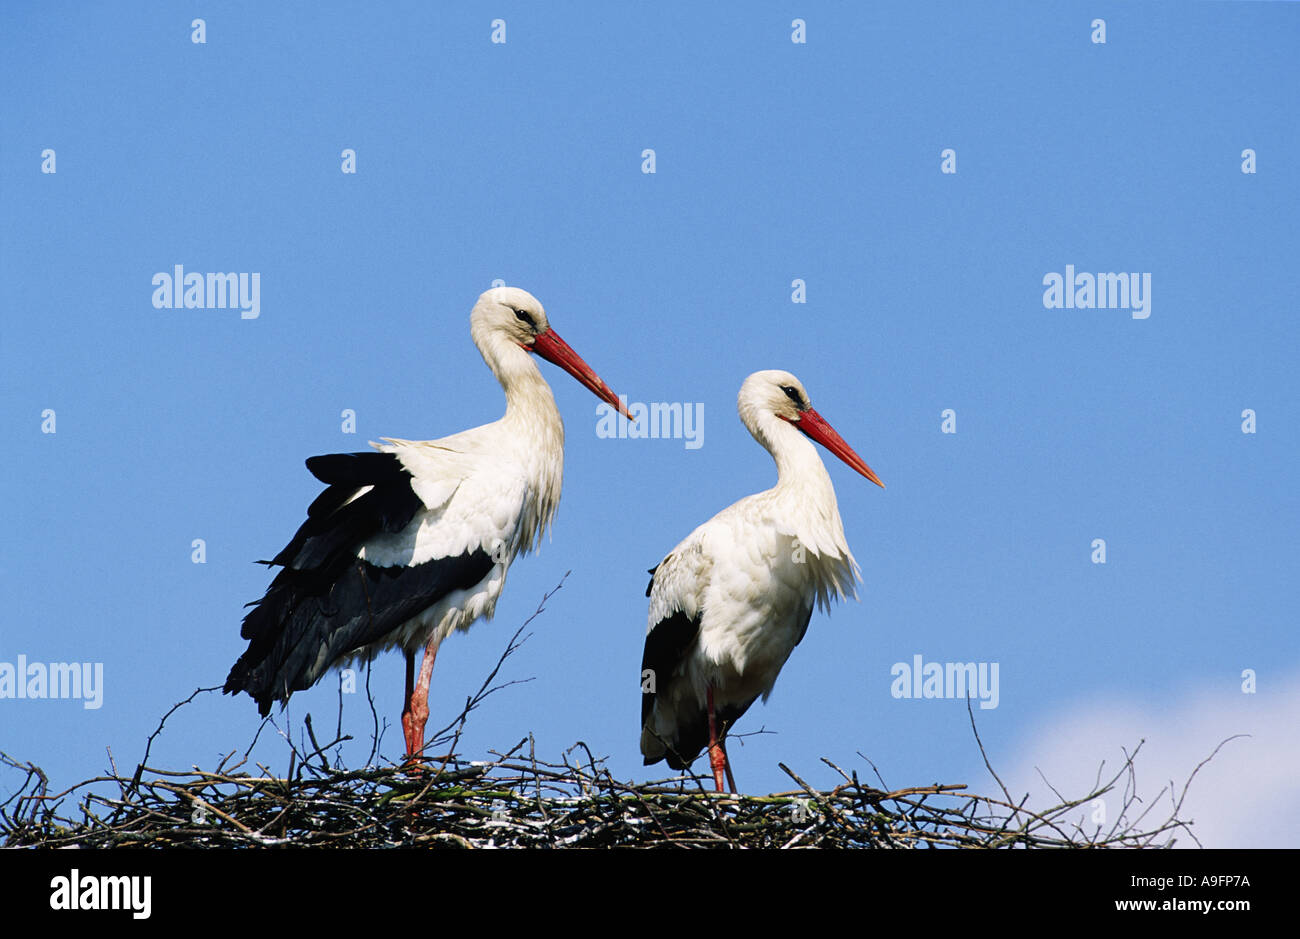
774 161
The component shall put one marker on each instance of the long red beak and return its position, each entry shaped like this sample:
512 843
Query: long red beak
553 349
814 427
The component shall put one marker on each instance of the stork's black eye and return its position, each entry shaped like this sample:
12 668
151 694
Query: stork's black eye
795 398
525 317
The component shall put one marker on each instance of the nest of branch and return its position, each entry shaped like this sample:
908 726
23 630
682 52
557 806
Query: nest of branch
516 800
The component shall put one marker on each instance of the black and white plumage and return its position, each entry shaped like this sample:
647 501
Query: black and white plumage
729 604
411 543
328 601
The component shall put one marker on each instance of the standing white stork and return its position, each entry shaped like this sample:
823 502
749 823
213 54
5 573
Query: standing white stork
411 543
730 603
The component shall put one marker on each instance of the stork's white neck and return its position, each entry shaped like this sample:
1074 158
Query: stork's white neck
804 501
534 430
528 397
798 464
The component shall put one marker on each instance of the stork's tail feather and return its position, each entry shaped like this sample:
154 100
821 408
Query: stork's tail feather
300 630
690 736
240 679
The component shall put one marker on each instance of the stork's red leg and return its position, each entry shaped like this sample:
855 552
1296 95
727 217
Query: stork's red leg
406 703
717 756
726 762
419 702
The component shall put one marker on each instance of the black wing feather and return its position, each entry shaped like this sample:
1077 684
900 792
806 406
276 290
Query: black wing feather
666 645
326 602
803 630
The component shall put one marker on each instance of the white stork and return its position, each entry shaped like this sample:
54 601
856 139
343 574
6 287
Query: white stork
729 604
411 543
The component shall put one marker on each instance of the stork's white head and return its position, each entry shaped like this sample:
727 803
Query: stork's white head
511 312
776 393
508 316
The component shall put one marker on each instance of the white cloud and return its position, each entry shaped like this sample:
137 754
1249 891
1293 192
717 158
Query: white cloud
1248 796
